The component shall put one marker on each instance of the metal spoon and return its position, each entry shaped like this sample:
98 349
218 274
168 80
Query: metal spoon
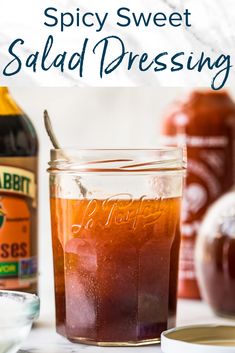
56 145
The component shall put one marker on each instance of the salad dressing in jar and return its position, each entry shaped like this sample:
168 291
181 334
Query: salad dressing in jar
116 246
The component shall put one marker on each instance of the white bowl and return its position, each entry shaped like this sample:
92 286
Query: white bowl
17 313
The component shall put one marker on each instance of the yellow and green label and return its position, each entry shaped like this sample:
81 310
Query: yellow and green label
9 269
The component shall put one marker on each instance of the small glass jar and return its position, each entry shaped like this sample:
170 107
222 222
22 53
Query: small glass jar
115 228
215 256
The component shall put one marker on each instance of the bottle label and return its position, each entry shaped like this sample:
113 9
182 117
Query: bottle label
18 263
17 181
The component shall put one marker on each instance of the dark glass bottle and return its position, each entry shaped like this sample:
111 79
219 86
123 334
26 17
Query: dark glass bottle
18 197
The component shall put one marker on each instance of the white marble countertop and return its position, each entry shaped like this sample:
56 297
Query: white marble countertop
44 339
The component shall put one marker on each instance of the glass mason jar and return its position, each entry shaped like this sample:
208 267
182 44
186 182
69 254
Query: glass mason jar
115 228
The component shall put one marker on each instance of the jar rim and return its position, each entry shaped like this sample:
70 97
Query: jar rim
117 160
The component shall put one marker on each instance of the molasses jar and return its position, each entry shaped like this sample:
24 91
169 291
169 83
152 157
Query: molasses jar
204 123
18 197
215 256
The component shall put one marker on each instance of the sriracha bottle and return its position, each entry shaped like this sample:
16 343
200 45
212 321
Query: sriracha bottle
205 124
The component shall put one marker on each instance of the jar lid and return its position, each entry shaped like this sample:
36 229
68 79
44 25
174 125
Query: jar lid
199 339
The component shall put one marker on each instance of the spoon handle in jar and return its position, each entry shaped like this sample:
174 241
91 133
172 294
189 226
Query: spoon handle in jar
49 130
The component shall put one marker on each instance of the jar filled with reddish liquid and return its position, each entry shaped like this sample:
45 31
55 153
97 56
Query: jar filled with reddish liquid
115 228
215 256
205 124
